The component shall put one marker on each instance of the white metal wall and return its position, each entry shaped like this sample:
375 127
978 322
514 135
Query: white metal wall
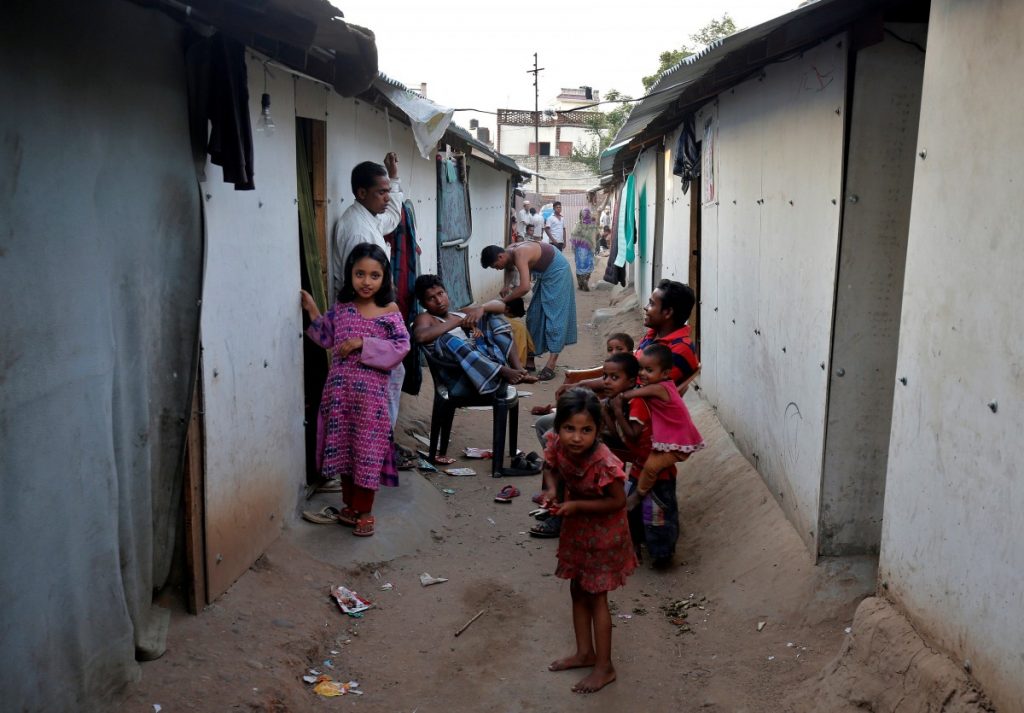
952 552
252 348
876 216
675 253
769 253
488 200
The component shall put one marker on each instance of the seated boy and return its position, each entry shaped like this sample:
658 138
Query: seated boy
522 342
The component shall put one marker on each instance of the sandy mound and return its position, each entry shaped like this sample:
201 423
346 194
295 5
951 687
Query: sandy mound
884 666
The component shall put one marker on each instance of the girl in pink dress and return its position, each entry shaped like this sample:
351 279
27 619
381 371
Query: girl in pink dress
674 436
367 339
595 551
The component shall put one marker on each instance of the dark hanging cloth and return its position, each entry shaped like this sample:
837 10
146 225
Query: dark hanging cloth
687 163
613 274
404 254
218 96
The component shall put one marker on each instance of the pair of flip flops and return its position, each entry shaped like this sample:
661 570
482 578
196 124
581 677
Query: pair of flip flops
530 464
330 515
506 494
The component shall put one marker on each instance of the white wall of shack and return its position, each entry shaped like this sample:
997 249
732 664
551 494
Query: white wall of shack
252 348
876 215
675 251
952 553
488 202
769 251
356 132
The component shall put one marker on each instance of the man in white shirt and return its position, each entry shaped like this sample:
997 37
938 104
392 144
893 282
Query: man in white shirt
376 212
523 218
538 226
555 227
605 220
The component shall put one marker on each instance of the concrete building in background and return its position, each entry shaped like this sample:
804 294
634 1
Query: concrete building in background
852 230
560 128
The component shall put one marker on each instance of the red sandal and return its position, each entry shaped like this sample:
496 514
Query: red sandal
347 517
506 494
364 526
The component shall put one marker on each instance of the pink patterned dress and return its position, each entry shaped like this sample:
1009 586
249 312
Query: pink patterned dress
595 550
672 428
353 432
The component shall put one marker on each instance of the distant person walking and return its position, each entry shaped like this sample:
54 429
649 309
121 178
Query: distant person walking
554 227
524 217
584 243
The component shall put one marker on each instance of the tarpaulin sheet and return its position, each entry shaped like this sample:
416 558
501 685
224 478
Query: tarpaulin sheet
101 254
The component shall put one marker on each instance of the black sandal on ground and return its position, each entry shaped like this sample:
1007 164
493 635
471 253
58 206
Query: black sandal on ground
546 529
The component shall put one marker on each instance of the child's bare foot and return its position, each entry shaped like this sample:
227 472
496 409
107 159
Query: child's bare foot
577 660
598 679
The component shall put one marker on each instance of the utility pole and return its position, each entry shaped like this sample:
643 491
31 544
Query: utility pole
536 120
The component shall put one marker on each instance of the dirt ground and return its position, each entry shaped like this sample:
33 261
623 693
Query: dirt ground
738 559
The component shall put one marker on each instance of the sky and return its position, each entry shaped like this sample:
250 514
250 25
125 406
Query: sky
473 53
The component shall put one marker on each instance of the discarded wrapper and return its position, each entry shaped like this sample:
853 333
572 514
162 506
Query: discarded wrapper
761 625
447 491
478 452
426 580
329 688
460 471
350 602
424 465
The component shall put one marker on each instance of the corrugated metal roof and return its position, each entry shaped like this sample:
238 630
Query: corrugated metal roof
306 35
729 61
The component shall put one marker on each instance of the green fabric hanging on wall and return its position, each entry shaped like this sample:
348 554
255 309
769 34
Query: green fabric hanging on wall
629 216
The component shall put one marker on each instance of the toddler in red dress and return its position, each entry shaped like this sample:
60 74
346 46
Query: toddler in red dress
595 551
674 436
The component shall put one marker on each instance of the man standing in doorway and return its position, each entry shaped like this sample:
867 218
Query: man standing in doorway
554 228
376 212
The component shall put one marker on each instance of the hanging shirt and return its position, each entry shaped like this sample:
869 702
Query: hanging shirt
358 225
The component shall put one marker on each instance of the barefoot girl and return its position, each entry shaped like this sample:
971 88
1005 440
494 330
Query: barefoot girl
367 339
594 551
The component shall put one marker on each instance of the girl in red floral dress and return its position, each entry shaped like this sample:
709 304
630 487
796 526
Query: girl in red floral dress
594 551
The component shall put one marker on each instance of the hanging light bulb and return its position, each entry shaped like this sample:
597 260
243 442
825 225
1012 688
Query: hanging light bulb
265 124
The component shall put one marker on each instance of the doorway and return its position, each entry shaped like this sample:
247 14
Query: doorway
311 176
693 277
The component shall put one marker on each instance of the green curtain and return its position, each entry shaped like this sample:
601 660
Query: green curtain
307 220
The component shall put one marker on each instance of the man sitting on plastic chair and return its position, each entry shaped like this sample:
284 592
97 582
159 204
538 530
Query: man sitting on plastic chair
478 339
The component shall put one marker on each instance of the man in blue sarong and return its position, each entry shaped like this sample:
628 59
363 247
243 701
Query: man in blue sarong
478 339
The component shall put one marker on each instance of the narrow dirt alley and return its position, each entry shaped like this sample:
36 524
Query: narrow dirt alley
739 563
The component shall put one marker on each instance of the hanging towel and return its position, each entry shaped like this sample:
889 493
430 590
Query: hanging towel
627 220
614 272
404 263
